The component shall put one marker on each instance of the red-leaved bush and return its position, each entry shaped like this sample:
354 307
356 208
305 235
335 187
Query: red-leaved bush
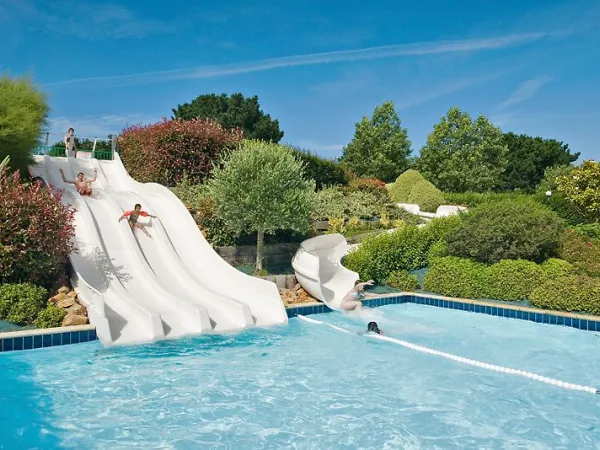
372 185
163 152
35 233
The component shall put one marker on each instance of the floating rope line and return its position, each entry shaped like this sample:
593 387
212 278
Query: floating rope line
470 362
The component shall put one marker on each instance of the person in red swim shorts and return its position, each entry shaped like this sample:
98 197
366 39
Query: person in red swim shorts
134 215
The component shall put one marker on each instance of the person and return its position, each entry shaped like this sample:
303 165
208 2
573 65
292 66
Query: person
82 184
352 300
134 215
372 327
70 149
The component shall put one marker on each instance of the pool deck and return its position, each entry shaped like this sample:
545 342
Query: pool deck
50 337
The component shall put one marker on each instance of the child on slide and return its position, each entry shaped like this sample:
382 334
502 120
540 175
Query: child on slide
134 215
352 300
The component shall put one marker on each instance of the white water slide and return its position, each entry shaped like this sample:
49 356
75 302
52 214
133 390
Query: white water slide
139 289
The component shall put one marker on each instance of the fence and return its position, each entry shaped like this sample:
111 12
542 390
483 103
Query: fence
97 148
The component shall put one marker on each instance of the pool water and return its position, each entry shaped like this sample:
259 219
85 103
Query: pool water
308 386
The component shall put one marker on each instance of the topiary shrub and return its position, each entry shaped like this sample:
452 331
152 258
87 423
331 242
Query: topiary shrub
35 233
325 172
401 279
507 230
400 190
21 303
572 293
582 252
51 317
163 152
456 277
511 280
426 195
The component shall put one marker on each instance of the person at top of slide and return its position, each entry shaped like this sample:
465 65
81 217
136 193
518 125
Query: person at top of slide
70 149
82 184
352 300
134 215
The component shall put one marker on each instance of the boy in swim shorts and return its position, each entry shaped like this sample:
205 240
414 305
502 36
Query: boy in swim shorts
133 216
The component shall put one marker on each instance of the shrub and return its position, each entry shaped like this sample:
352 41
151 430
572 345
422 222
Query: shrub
551 174
582 252
472 199
403 249
511 280
325 172
562 207
333 202
163 152
371 185
572 293
23 114
555 268
21 303
400 190
581 187
456 277
336 226
51 317
437 250
261 188
401 279
426 195
591 230
35 233
354 223
507 230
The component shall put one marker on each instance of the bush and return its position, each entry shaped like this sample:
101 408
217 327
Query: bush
35 233
581 187
551 174
400 190
472 199
437 250
590 230
507 230
21 303
511 280
51 317
163 152
582 252
426 195
23 113
371 185
333 202
572 293
401 279
325 172
555 268
456 277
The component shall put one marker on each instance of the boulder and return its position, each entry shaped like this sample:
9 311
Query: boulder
72 294
57 298
65 303
74 319
77 309
64 290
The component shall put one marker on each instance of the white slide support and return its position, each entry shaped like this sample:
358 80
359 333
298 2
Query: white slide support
139 289
318 268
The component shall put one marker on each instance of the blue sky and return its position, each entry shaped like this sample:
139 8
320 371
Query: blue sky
317 66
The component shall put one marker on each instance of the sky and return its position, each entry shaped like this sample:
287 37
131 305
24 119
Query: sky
317 66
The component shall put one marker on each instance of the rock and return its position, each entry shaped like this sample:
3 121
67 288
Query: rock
74 319
64 290
66 302
77 309
57 298
72 294
297 287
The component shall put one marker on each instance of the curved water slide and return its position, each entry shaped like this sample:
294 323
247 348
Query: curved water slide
139 289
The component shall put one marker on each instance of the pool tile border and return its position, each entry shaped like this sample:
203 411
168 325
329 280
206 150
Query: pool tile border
580 321
49 337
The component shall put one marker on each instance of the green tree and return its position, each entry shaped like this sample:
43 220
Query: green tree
235 111
380 147
23 115
582 189
529 157
261 188
462 154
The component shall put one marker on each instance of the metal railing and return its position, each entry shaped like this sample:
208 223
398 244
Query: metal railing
60 151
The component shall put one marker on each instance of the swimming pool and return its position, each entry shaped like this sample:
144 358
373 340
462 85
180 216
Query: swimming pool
311 387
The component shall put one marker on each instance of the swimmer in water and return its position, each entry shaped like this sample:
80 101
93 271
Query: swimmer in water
372 327
352 300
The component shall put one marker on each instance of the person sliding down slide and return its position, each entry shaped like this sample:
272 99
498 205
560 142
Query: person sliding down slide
133 216
352 300
82 184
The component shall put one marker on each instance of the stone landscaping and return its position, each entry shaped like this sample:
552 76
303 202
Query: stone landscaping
76 313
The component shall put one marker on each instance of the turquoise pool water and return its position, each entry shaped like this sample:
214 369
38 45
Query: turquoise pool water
308 386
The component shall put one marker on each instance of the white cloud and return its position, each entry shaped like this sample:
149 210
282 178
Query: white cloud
524 91
389 51
318 147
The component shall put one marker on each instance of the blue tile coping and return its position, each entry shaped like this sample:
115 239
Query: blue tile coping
579 321
47 337
50 337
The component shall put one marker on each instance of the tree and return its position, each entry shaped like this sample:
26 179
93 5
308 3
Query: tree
463 155
261 188
582 189
231 112
23 115
380 147
529 157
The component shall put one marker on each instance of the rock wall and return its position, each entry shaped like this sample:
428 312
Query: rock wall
67 300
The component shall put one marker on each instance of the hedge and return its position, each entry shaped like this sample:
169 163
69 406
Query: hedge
573 293
51 317
581 251
325 172
401 279
400 190
21 303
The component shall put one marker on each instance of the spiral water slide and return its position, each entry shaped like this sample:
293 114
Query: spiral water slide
138 289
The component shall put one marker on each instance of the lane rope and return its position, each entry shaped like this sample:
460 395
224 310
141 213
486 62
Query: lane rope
470 362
